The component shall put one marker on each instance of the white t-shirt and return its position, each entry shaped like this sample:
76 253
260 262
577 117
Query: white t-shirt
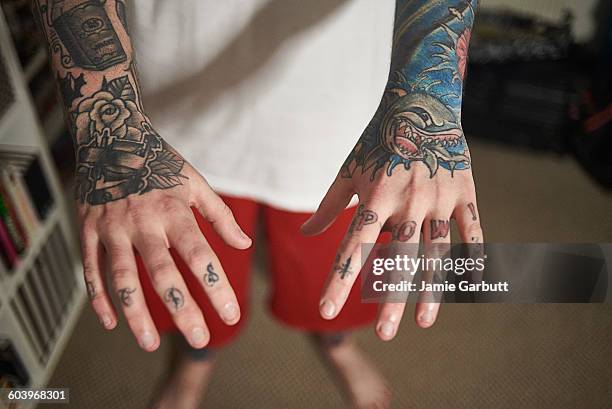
265 97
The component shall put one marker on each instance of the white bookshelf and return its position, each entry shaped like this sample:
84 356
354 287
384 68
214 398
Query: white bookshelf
47 282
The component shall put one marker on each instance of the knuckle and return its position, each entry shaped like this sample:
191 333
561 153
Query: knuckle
90 270
197 255
137 214
88 225
159 270
110 228
168 204
119 274
226 212
376 193
112 246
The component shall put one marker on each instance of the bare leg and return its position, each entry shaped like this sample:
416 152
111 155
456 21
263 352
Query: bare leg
189 377
363 383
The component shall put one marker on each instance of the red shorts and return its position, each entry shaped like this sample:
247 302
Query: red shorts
299 266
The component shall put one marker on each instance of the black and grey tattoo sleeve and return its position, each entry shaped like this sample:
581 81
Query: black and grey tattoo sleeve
419 119
118 153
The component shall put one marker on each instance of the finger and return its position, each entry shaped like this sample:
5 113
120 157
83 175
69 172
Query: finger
124 279
405 236
389 317
335 201
436 244
365 228
468 223
186 237
171 288
214 209
93 255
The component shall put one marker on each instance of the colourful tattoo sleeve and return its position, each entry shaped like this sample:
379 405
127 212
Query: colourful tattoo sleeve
419 119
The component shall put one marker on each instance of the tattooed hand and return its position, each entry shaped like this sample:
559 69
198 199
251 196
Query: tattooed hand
134 191
150 222
411 168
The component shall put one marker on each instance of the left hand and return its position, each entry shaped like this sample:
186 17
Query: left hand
419 197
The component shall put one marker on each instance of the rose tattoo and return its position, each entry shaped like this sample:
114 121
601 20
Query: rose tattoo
119 153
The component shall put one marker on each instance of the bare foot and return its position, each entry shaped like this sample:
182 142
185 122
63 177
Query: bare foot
365 386
186 385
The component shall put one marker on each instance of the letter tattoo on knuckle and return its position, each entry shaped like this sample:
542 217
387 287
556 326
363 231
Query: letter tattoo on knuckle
439 229
174 297
403 231
363 217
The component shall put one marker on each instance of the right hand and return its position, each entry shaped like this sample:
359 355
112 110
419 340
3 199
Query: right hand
115 223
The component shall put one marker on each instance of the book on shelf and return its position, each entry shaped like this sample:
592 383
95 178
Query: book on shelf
9 255
11 222
25 202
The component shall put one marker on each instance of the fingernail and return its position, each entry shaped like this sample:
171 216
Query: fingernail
147 340
427 317
328 309
244 235
106 321
387 329
230 312
198 335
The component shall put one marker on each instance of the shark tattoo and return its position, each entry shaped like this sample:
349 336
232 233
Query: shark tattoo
419 119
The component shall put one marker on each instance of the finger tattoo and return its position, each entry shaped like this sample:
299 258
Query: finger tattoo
439 228
363 217
344 269
404 231
175 297
473 211
125 296
91 289
211 277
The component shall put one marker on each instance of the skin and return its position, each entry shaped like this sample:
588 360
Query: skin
124 207
402 169
435 183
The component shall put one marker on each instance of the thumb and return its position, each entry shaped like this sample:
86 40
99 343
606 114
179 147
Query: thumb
217 212
335 201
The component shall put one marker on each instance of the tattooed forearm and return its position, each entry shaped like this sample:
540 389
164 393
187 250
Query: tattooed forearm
211 277
85 30
174 297
118 151
439 229
419 119
122 14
